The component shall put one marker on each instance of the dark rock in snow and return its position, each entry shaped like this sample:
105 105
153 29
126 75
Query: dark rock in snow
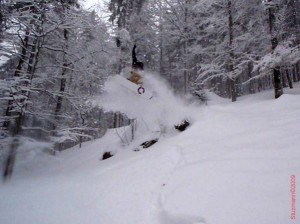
182 126
147 144
107 155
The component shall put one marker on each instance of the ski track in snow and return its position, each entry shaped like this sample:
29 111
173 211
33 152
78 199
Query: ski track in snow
166 217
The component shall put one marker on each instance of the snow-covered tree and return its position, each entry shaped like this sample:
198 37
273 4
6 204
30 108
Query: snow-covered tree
62 55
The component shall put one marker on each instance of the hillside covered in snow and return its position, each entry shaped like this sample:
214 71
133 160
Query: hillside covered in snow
232 165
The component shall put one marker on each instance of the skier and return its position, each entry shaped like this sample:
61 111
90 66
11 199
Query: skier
136 67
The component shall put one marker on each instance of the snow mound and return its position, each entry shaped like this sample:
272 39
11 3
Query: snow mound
163 111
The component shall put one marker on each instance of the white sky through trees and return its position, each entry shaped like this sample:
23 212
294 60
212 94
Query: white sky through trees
90 3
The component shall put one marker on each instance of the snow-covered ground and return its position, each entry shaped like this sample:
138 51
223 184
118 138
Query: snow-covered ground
233 165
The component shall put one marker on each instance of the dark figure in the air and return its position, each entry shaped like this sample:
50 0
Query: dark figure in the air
136 65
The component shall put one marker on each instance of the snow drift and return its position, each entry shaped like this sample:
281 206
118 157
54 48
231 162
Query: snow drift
233 165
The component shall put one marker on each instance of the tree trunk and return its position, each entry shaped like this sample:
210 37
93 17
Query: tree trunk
61 91
10 161
133 127
63 81
289 79
297 71
233 90
294 72
160 38
185 72
1 20
277 82
82 131
278 90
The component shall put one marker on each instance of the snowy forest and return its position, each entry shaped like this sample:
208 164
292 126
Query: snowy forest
149 111
56 56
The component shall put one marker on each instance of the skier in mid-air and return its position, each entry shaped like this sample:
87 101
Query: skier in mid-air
136 67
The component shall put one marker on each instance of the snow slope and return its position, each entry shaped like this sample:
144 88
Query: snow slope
233 165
